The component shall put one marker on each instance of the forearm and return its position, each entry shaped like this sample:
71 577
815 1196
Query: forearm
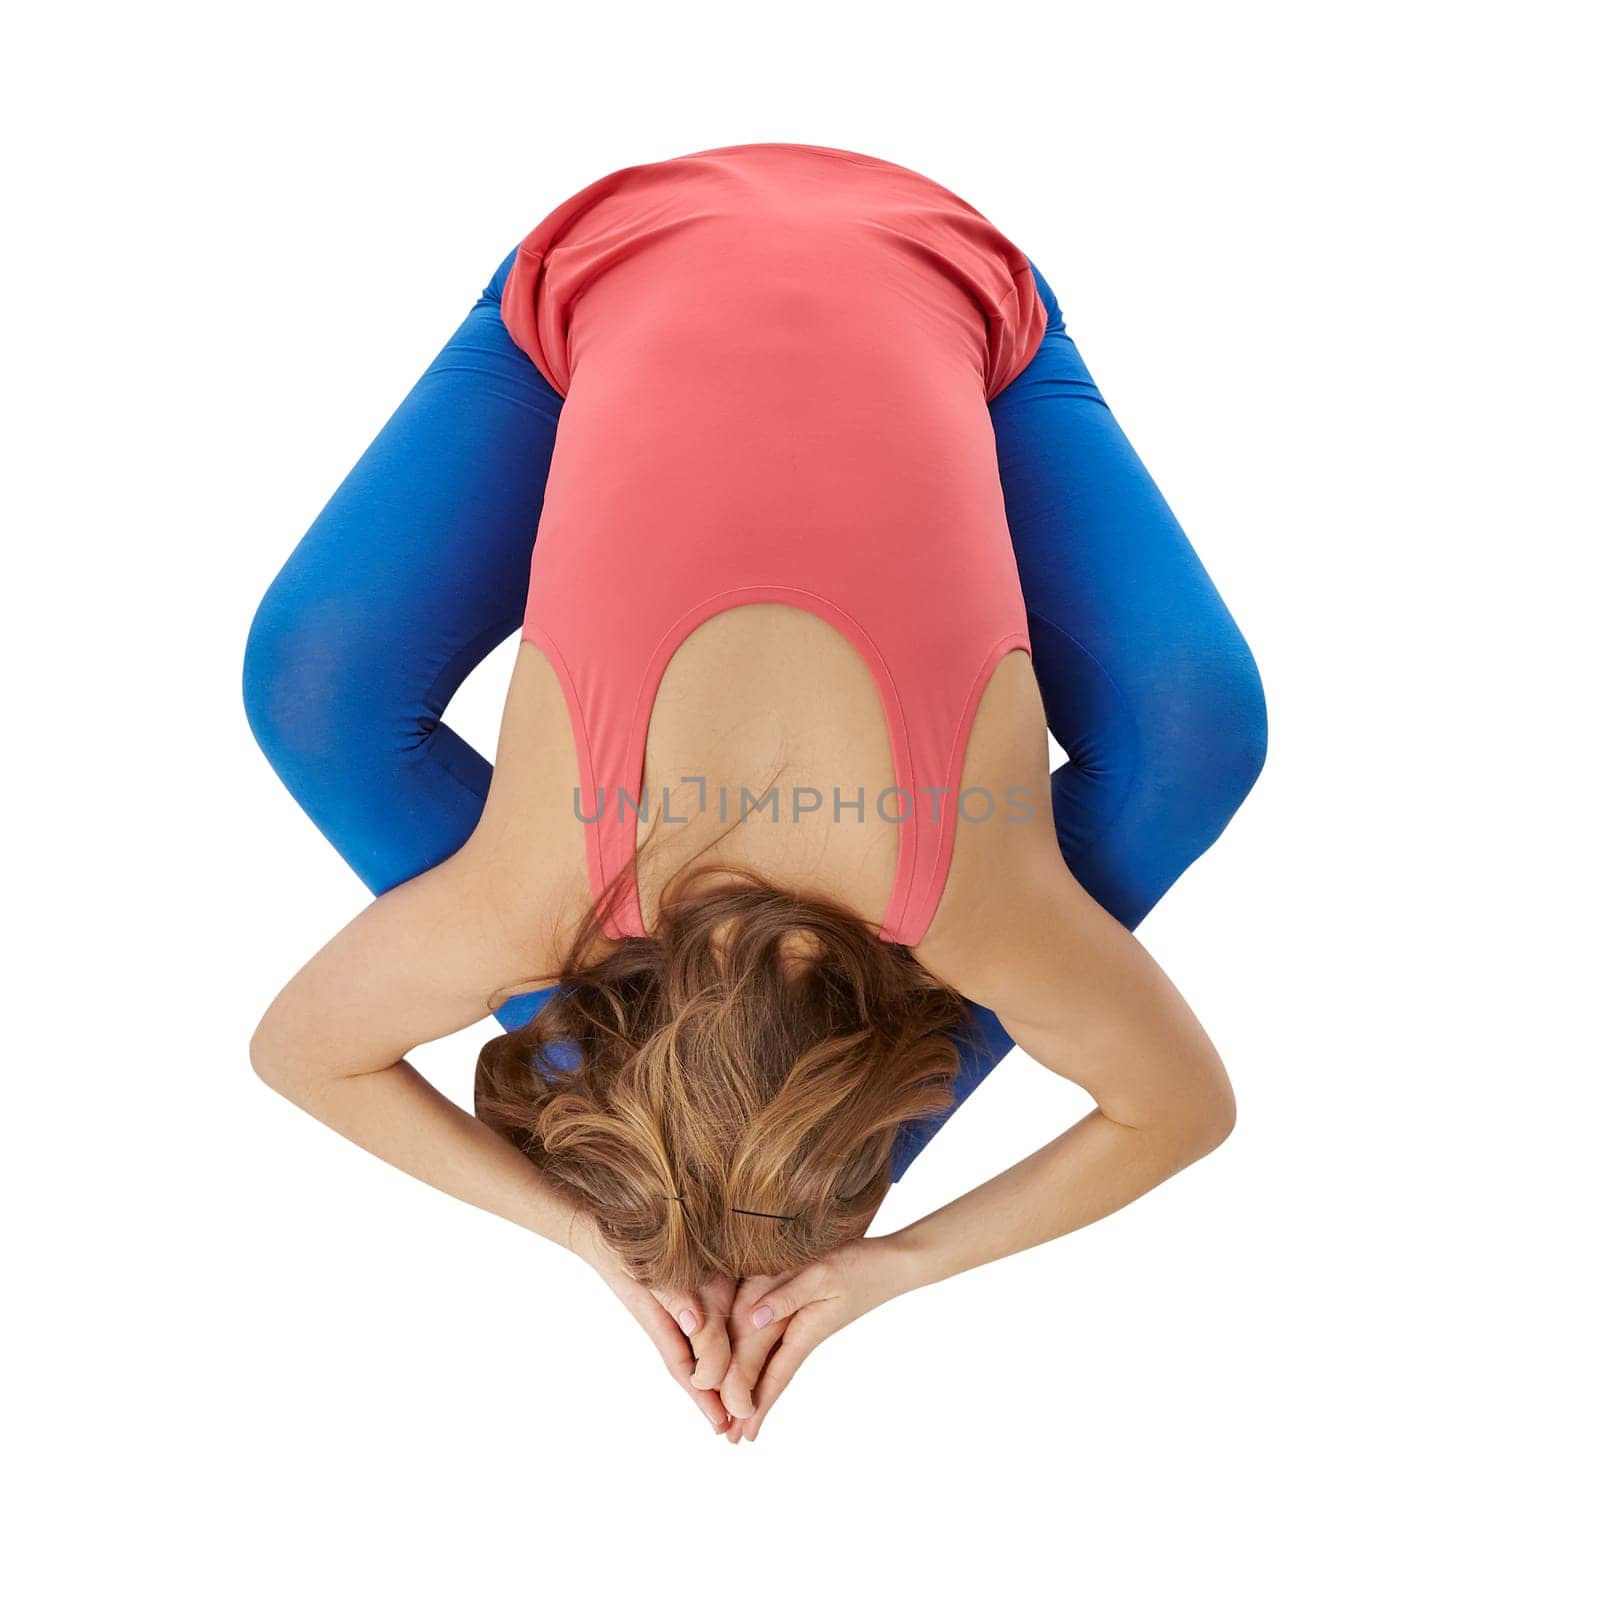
1096 1167
398 1116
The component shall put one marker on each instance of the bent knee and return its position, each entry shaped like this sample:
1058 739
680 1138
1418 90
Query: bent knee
1199 744
1238 730
314 697
285 688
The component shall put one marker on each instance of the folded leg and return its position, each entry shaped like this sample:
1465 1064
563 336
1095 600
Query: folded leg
413 572
1147 683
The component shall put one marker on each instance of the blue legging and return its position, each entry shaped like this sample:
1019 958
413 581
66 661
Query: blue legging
418 567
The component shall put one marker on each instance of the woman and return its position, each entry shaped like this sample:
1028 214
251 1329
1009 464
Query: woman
771 868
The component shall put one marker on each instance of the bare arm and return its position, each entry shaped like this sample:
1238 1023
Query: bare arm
1079 993
417 964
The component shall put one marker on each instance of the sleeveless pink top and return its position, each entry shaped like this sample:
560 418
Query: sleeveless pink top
776 361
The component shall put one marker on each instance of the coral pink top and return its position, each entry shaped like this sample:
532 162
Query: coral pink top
776 361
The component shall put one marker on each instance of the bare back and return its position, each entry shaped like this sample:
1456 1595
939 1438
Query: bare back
765 713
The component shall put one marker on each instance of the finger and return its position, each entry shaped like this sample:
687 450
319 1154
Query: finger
798 1342
714 1346
706 1331
713 1352
710 1408
751 1345
678 1358
707 1401
684 1308
805 1288
740 1390
738 1387
752 1291
670 1344
751 1348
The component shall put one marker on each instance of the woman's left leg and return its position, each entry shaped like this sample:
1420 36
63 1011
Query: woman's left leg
1147 683
413 572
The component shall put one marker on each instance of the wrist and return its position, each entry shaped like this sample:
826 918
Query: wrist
584 1240
907 1261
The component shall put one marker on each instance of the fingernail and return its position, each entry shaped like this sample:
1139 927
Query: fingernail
686 1320
761 1316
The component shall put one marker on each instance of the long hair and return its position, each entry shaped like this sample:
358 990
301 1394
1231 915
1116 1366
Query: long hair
723 1096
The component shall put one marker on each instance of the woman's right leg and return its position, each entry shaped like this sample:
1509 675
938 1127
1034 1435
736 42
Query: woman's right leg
1147 683
412 573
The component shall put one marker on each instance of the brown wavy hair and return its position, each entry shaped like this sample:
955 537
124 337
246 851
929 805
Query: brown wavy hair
723 1095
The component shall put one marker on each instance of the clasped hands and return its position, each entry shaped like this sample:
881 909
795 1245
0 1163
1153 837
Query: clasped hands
733 1346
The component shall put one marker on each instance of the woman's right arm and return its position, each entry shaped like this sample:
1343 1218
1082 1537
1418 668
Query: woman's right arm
417 964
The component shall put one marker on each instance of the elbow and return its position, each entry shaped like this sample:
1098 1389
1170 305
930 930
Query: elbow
1185 1127
1210 1117
1220 1124
289 1063
1196 1115
269 1061
264 1061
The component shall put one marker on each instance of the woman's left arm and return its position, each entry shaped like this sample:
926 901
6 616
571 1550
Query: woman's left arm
1079 993
1083 997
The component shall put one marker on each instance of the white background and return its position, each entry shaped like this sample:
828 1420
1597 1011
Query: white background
1330 268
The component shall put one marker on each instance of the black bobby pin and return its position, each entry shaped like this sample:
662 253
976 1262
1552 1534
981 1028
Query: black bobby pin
770 1215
